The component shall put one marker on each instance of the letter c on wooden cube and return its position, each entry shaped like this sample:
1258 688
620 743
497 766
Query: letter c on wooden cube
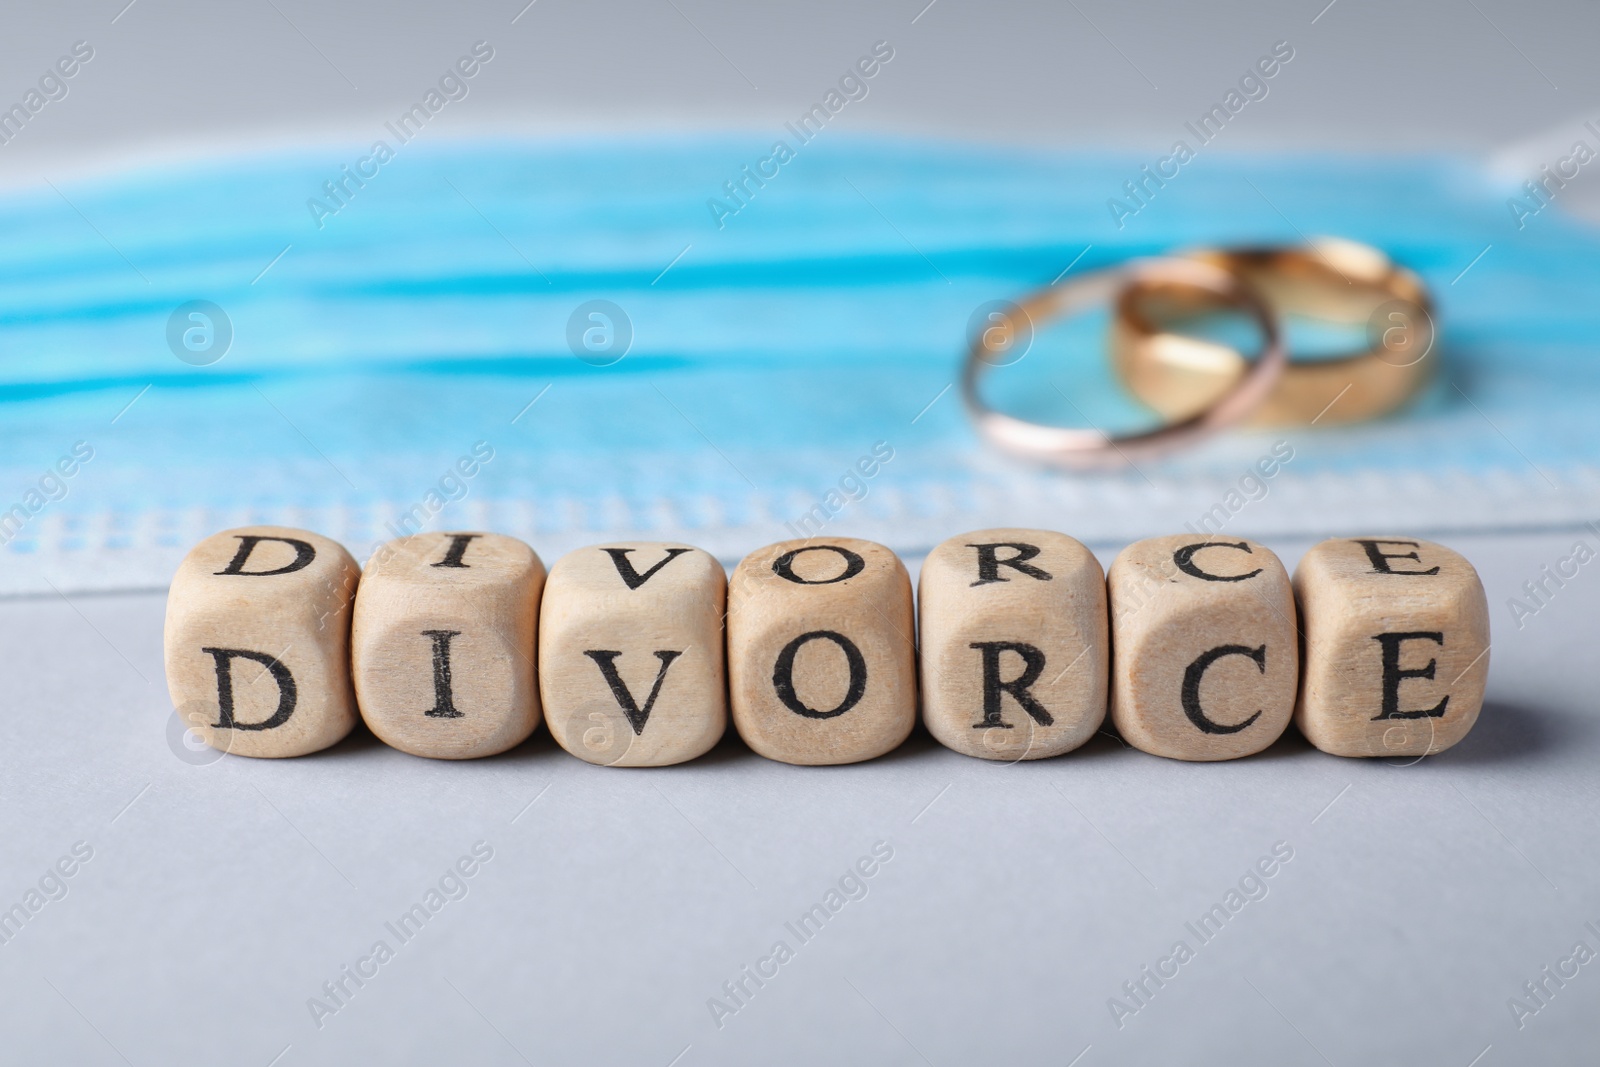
631 653
1204 647
1014 651
257 641
443 644
1397 647
821 651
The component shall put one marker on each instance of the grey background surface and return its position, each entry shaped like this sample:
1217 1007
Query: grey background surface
1422 76
222 895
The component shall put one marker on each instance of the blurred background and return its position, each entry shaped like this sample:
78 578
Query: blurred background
545 231
284 262
1425 78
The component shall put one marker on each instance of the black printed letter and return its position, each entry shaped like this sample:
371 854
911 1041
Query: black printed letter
989 562
1380 559
994 688
632 578
607 662
783 566
303 555
457 549
783 673
1197 670
1184 558
444 706
287 692
1393 675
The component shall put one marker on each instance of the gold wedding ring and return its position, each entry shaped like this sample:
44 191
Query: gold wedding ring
1189 282
1334 280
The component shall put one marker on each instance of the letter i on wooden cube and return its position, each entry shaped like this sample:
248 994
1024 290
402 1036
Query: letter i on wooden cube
1204 647
443 644
1014 645
631 653
821 651
1396 649
257 641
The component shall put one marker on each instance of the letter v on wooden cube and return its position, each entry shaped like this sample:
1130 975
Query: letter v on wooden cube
631 653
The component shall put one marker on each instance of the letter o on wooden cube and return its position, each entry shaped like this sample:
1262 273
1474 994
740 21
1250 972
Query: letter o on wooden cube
821 653
1396 648
257 641
1014 643
1204 647
443 642
631 653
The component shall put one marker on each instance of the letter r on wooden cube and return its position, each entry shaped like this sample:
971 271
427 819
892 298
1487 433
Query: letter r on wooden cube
443 644
631 653
1396 649
1204 647
1014 643
821 651
257 641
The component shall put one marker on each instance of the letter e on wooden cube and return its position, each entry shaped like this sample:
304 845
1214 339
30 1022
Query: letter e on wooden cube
1396 649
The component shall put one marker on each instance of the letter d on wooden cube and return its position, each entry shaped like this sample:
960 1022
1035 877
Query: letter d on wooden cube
257 641
1014 649
821 652
1397 647
1204 648
442 647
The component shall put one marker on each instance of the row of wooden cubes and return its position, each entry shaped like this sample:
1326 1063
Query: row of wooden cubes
457 645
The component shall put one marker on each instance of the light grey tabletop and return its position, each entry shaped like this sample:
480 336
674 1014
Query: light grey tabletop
619 907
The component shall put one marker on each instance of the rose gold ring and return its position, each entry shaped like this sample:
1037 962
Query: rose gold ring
1088 448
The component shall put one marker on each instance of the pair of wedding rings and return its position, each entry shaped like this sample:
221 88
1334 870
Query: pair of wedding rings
1199 386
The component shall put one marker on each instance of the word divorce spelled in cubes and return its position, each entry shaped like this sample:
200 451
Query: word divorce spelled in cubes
1018 645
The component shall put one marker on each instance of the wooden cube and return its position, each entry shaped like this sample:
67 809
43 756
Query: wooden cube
1014 648
257 641
821 651
631 654
1204 646
1396 646
443 644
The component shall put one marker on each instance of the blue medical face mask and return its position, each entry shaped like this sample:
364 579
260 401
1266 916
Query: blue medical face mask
612 353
